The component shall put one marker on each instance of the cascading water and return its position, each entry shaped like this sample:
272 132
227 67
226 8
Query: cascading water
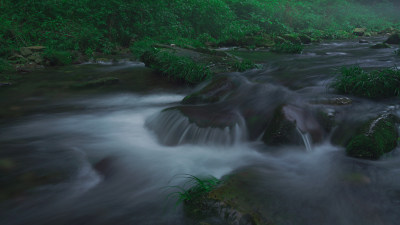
306 139
173 128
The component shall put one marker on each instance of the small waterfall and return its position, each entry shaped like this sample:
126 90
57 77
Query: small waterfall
306 139
173 128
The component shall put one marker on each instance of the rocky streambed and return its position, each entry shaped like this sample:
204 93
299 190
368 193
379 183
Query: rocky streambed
285 147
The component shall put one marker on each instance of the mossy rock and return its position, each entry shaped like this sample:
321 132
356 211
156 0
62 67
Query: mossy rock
376 137
229 201
359 31
217 89
380 46
393 39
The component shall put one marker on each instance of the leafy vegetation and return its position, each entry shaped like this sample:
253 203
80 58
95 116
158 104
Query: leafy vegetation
176 67
374 84
58 58
243 65
287 48
198 188
103 25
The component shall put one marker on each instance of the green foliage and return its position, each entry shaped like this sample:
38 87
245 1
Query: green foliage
4 65
176 67
243 65
198 188
374 84
287 48
58 58
380 137
101 26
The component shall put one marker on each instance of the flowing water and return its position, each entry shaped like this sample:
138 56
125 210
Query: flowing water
96 158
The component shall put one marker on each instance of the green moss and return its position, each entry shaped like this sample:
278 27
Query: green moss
243 65
287 48
58 58
4 65
176 67
374 84
378 137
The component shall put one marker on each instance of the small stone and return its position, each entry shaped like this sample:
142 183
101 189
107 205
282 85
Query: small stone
359 31
25 51
36 48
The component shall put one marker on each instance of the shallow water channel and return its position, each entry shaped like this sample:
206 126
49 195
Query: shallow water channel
90 157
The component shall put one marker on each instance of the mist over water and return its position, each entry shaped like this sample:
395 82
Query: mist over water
113 159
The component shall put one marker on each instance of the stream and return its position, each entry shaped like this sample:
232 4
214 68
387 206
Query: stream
107 158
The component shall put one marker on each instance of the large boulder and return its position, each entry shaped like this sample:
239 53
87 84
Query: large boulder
289 124
393 39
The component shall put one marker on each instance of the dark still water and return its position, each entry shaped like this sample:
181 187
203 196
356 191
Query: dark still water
109 158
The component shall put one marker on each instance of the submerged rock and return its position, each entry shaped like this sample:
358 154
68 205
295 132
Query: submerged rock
380 45
375 138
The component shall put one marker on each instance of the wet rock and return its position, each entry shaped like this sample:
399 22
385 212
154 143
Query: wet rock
25 51
393 39
359 31
217 89
334 101
29 67
36 48
18 58
305 39
375 138
380 45
362 41
36 58
5 84
198 125
288 122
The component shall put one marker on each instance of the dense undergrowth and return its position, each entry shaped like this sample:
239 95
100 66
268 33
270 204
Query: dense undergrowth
374 84
105 25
